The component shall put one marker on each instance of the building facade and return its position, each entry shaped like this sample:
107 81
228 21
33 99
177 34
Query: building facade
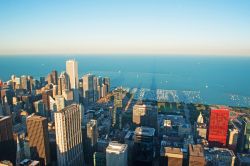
218 127
116 154
37 128
69 136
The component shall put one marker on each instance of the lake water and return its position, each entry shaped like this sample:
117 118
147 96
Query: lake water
217 80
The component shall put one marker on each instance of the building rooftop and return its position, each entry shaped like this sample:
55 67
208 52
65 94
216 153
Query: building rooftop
219 151
5 163
4 118
36 117
173 150
68 108
244 158
147 131
196 150
117 148
92 123
129 135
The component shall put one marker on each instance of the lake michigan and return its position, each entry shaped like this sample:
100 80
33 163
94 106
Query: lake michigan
210 79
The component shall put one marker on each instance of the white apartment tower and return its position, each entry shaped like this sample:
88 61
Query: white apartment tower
69 136
116 154
72 71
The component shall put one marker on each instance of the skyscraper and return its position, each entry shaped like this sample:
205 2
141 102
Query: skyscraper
63 83
37 127
92 132
88 87
7 144
72 71
196 155
244 136
172 156
218 126
92 135
118 98
116 154
69 136
145 115
60 102
144 141
24 82
106 81
54 77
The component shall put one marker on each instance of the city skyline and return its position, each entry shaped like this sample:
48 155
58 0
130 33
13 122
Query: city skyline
125 27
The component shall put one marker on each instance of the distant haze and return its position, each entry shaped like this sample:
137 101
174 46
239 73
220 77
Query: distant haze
194 27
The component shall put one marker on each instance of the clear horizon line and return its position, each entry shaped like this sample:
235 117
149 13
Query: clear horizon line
123 54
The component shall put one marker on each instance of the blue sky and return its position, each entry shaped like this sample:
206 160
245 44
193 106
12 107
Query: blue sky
198 27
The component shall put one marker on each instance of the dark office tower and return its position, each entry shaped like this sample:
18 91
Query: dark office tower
196 155
54 77
145 115
95 87
7 143
118 98
42 81
244 139
106 81
31 82
99 81
88 88
116 117
46 100
99 159
37 128
144 146
172 156
218 127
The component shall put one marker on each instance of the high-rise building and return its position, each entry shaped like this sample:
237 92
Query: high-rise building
145 115
24 82
69 136
99 159
200 128
55 90
91 139
219 156
7 143
118 95
233 135
37 127
106 81
243 159
116 154
60 102
54 77
172 156
144 149
116 117
218 127
196 155
88 87
63 83
92 132
72 71
244 136
39 107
